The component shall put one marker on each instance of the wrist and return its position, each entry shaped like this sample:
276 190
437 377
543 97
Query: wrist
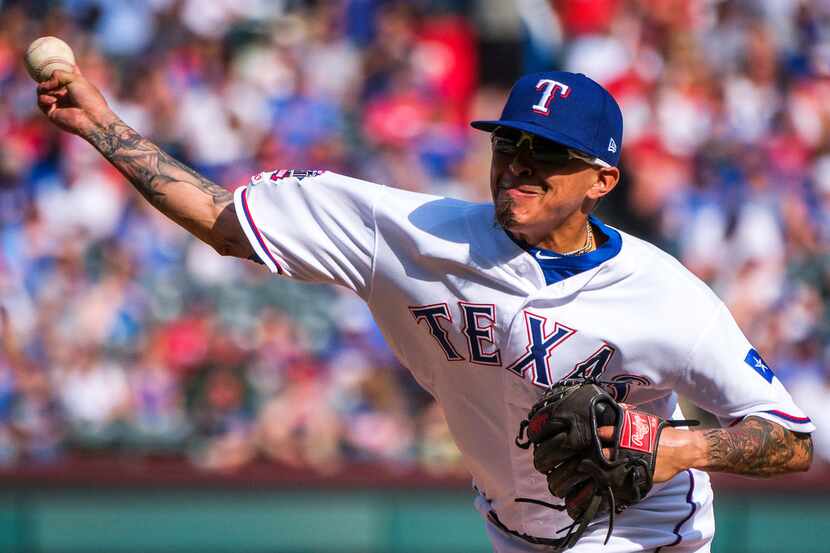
105 118
679 449
97 122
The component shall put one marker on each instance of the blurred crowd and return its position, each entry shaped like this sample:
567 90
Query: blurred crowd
122 334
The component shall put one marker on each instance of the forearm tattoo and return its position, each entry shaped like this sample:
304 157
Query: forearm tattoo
147 167
757 447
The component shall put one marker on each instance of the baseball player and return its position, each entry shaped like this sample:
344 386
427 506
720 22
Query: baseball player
489 316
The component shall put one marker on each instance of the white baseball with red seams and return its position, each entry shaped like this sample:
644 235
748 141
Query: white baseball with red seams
474 318
47 54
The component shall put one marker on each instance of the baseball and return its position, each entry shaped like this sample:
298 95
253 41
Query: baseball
45 55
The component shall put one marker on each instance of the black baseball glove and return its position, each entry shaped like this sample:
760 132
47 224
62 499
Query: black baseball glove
591 476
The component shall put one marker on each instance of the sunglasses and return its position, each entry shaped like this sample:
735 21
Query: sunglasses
507 142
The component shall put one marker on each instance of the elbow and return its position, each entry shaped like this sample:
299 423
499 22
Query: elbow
227 237
232 247
808 458
803 460
803 466
224 249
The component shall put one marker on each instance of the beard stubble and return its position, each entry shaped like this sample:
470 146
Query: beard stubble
504 213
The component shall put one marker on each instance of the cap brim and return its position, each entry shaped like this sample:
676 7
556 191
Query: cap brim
488 126
549 134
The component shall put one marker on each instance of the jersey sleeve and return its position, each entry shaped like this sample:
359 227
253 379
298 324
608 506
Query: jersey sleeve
729 378
311 226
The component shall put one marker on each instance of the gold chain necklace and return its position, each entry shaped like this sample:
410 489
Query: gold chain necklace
589 242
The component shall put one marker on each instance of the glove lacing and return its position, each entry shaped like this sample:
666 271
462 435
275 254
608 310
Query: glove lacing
578 527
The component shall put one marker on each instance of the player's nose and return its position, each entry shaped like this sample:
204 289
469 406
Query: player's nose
521 164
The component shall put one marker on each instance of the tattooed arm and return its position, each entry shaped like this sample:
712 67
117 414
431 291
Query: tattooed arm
756 447
202 207
753 447
197 204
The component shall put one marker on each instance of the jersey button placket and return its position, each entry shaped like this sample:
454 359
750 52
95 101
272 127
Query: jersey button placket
530 273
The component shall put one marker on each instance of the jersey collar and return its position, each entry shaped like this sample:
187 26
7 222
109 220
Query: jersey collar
557 267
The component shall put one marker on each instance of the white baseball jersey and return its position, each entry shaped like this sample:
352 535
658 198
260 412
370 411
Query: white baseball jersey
486 326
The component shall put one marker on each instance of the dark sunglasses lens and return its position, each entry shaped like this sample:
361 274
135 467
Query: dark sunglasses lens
505 145
542 151
553 156
546 151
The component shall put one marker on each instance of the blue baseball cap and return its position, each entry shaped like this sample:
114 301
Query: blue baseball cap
567 108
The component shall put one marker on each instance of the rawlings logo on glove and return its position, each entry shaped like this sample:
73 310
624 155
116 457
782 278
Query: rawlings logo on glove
639 431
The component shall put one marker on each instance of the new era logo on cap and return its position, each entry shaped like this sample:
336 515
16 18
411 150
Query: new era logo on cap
568 108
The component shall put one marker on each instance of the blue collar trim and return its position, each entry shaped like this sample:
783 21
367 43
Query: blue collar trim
557 267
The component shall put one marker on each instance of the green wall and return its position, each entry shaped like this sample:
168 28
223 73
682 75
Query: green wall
376 521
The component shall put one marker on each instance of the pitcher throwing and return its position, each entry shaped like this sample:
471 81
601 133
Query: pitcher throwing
491 305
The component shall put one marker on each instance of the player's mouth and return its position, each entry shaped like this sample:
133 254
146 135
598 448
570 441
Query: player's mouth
523 190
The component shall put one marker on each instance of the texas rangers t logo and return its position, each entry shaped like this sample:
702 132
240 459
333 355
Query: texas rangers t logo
549 88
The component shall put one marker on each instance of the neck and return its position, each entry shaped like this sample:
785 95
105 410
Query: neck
571 238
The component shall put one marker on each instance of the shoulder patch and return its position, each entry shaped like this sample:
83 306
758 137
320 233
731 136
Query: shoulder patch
754 360
298 174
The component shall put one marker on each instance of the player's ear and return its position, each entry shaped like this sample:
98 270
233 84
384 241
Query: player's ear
607 179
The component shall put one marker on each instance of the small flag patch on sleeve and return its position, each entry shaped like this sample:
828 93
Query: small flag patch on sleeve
754 360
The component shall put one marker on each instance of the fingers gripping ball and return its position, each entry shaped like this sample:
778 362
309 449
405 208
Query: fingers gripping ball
45 55
591 477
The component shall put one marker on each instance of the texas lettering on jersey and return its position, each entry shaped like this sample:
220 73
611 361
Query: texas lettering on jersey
535 363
